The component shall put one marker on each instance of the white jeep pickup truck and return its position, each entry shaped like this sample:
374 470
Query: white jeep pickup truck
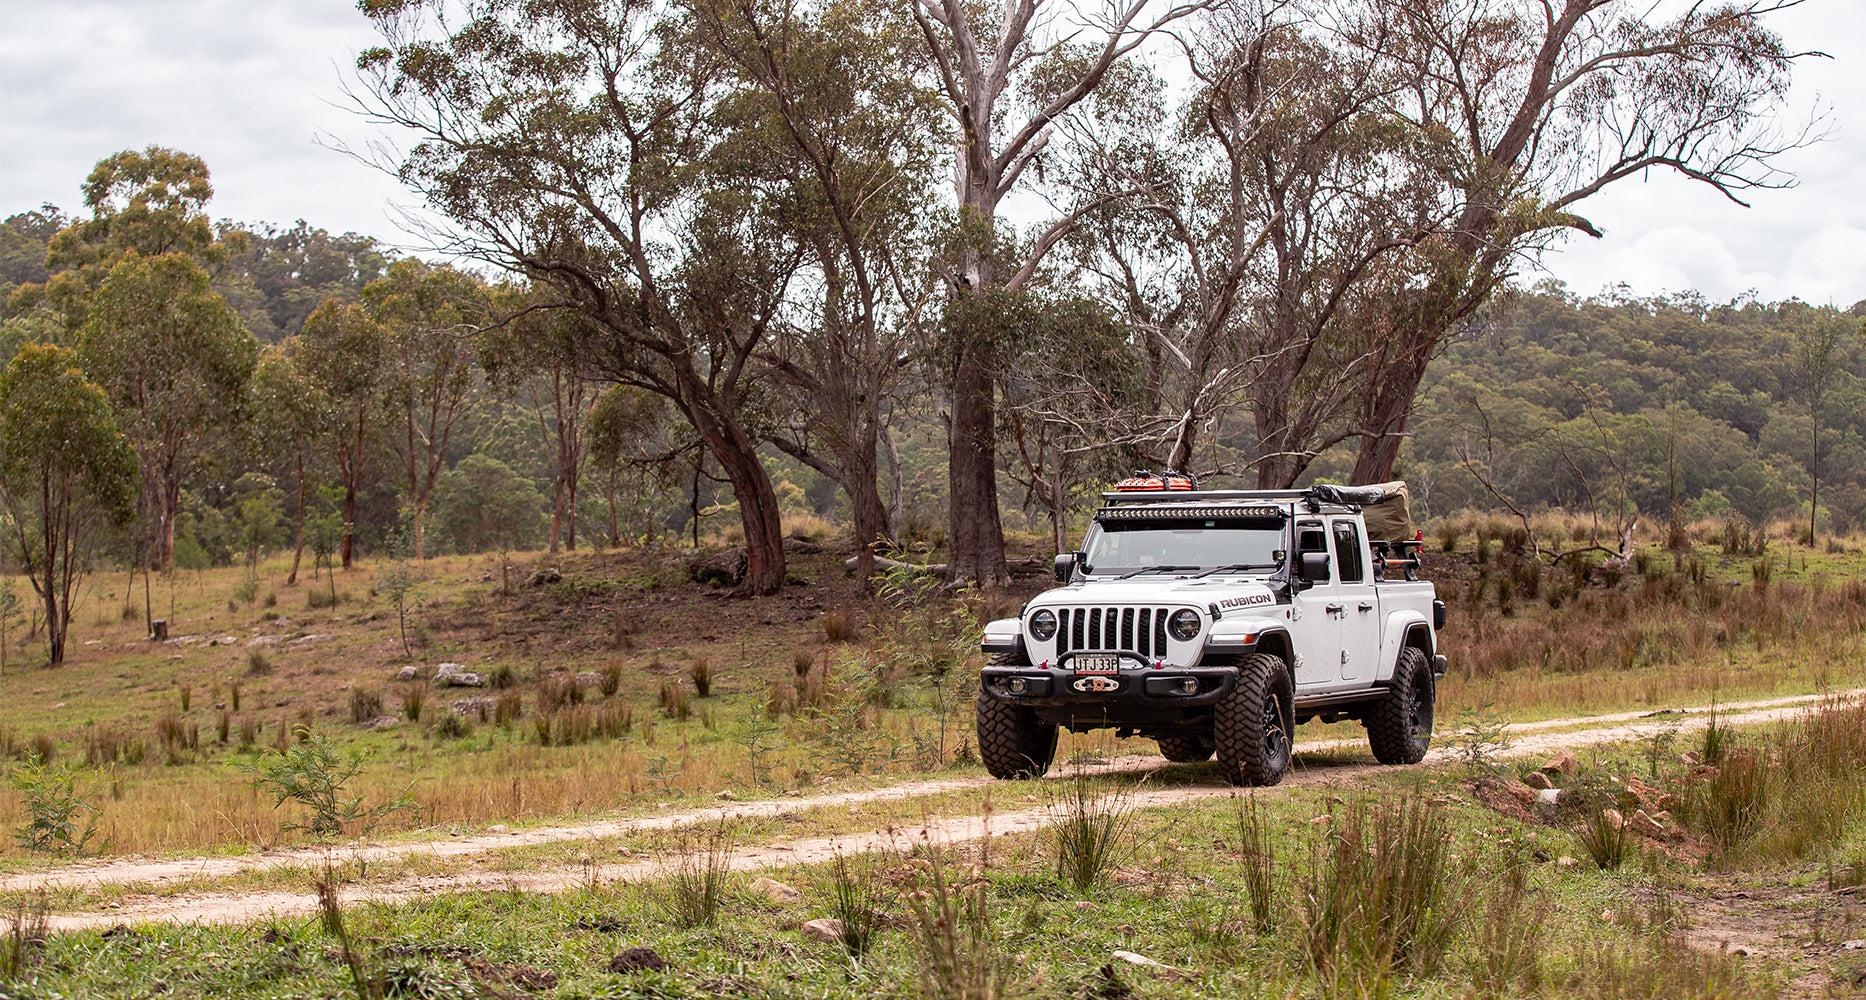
1216 621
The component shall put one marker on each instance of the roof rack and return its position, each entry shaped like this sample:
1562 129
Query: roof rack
1182 496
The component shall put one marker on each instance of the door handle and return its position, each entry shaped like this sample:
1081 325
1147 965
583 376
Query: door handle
1366 606
1335 609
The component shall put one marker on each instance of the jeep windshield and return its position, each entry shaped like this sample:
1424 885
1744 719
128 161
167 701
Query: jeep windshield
1122 547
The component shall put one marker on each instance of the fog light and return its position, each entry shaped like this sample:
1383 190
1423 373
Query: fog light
1190 685
1018 685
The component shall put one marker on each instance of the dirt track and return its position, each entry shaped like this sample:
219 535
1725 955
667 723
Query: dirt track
232 907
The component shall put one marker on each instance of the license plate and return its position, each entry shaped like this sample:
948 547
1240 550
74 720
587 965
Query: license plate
1096 663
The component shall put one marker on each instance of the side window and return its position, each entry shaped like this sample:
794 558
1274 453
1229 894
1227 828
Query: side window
1348 552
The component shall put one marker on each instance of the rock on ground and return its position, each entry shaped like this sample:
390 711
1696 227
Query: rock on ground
827 929
776 891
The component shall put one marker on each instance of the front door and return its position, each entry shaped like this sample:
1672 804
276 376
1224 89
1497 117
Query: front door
1317 631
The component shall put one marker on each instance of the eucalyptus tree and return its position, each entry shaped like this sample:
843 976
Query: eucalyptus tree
533 356
66 471
151 202
1007 75
576 143
175 360
1531 108
828 113
430 377
291 414
343 355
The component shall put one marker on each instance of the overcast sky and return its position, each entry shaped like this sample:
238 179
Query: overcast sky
251 87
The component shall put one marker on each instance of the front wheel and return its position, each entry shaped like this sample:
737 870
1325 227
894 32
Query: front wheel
1252 725
1400 726
1011 742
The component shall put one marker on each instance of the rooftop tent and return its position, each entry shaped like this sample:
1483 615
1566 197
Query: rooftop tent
1386 507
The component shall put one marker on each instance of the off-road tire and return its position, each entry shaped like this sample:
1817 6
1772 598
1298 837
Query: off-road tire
1183 748
1011 742
1399 728
1253 724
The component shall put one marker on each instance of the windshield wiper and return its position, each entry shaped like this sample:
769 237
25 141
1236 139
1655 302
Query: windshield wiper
1233 568
1155 569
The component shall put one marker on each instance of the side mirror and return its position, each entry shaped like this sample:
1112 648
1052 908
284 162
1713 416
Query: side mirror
1066 566
1312 567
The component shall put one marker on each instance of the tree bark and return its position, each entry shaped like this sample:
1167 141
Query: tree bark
975 530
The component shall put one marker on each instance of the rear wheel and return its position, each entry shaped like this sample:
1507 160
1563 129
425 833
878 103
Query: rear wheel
1252 725
1399 728
1185 748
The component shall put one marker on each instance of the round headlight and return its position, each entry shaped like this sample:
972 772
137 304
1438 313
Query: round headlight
1184 625
1043 625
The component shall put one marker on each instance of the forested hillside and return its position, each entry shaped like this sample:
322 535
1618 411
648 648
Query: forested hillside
1654 402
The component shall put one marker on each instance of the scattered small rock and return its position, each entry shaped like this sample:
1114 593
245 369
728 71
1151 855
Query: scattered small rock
457 675
1646 825
408 673
826 929
776 891
498 828
1854 945
1538 781
264 640
1691 758
473 706
1133 958
121 932
1613 817
1564 763
726 796
313 637
1549 796
637 960
382 722
589 679
1520 792
539 579
1566 862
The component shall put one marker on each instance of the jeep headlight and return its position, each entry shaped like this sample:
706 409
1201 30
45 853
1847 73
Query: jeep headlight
1184 625
1043 625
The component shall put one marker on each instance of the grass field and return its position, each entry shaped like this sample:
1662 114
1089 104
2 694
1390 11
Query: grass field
621 688
623 685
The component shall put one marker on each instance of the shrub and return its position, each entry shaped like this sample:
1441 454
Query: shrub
1091 835
511 705
692 893
257 663
855 896
315 775
365 704
452 727
702 674
674 702
414 697
611 680
58 820
1379 895
835 626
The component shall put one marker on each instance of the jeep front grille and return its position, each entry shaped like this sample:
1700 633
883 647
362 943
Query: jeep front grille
1135 630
